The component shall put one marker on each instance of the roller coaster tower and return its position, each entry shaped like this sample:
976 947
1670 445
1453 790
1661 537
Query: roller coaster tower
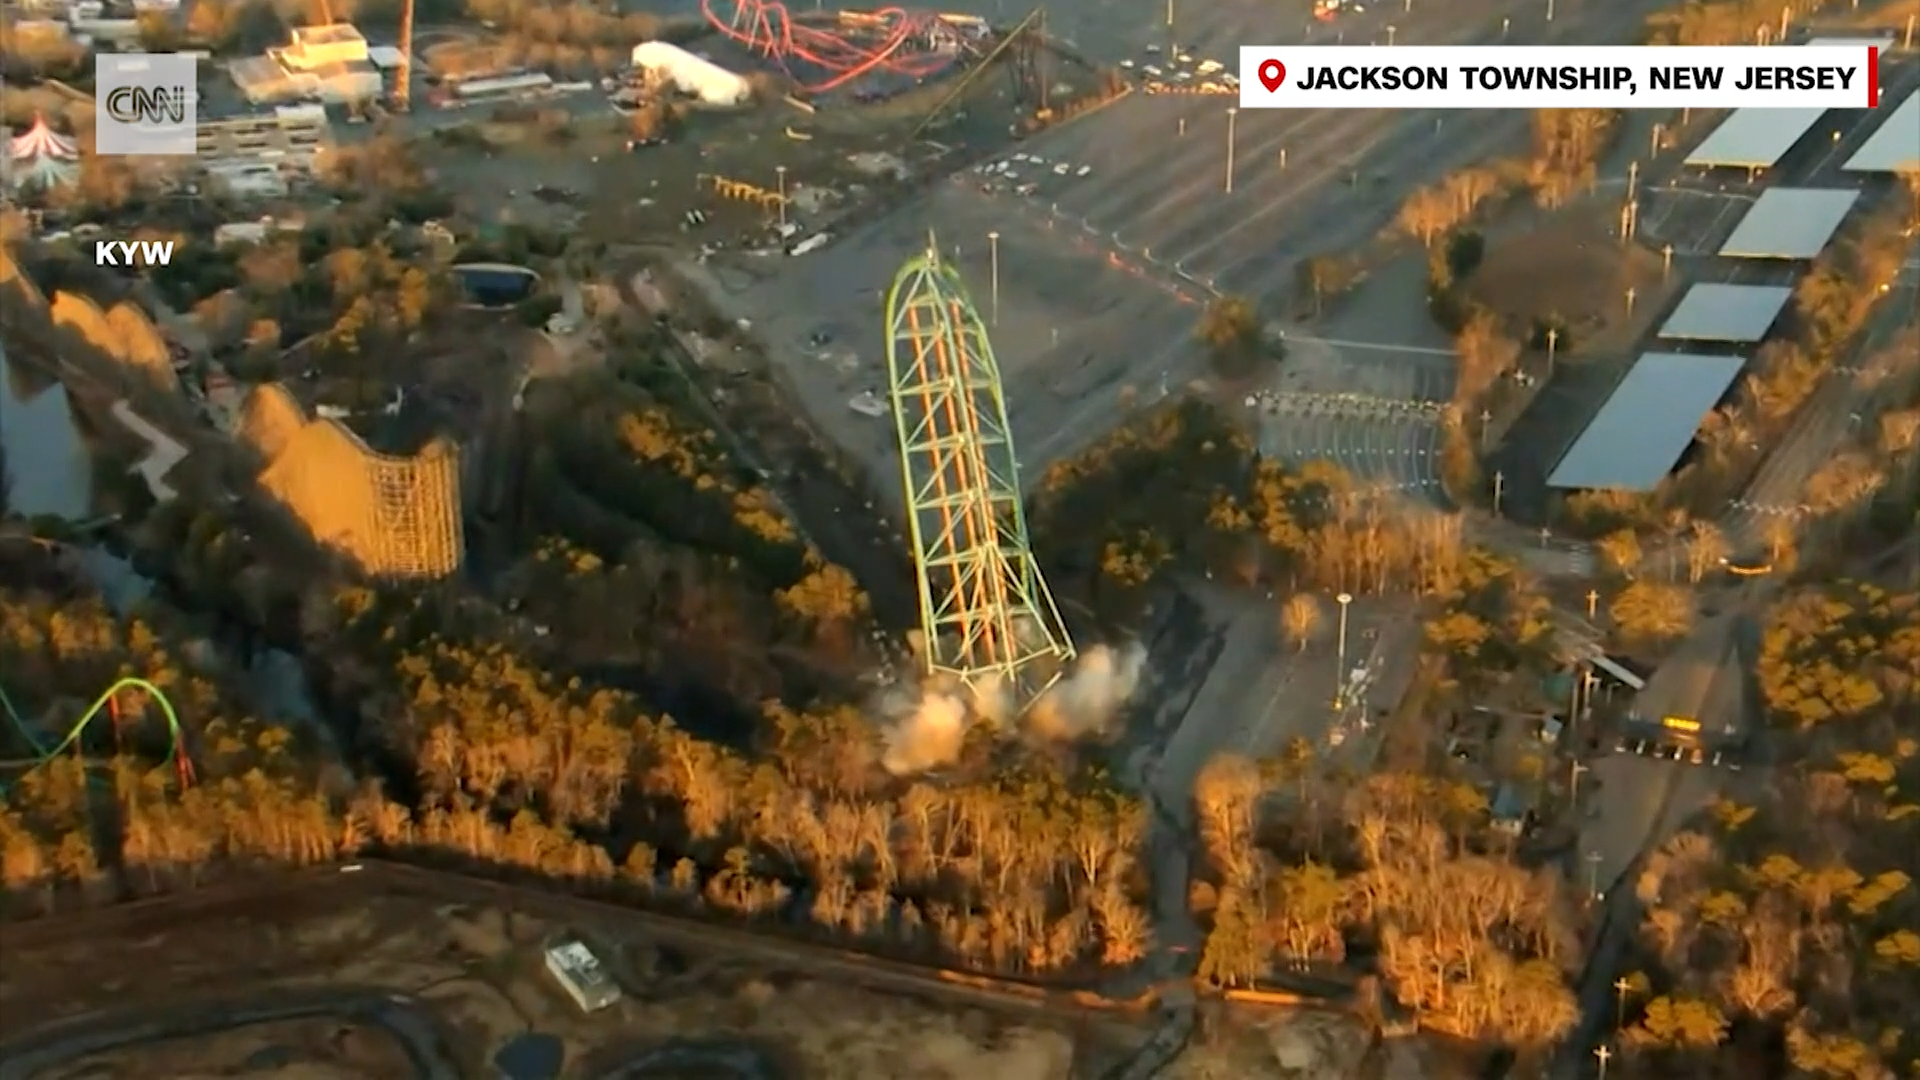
986 615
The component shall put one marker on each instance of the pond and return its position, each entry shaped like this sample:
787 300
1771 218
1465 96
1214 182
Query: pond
495 285
49 465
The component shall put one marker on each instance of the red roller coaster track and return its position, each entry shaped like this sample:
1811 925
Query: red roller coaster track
894 40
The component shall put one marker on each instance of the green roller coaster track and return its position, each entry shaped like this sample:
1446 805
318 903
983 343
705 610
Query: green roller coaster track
176 750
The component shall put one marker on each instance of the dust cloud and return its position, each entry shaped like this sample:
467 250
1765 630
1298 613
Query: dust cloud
925 726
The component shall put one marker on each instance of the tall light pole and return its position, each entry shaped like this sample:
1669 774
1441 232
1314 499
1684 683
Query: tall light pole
1340 653
1553 346
1631 293
1593 603
1602 1055
1653 144
1593 875
780 177
993 272
1549 10
1499 486
1574 769
1621 987
1231 114
1391 31
1169 14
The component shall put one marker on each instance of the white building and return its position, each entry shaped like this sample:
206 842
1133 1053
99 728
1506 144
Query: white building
290 134
581 975
690 74
330 63
531 82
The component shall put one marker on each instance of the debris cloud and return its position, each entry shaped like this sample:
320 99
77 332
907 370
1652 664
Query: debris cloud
925 726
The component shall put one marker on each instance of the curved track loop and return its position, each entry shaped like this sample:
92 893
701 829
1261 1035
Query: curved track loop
913 44
407 1019
108 703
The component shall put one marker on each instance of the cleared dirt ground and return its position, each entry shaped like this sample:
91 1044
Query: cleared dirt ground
1568 269
480 969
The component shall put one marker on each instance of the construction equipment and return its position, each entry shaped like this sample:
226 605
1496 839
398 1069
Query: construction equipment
987 618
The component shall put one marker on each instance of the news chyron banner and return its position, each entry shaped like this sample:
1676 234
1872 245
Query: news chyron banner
1559 77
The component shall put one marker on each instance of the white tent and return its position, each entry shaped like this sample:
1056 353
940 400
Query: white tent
41 158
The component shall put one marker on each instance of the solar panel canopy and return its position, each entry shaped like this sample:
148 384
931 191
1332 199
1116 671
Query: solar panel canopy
1789 223
1754 138
1647 423
1738 314
1895 146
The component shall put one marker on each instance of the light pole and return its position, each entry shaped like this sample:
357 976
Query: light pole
1602 1055
1231 114
780 177
993 272
1666 261
1549 10
1499 486
1574 769
1486 427
1340 652
1553 346
1593 603
1169 14
1593 875
1653 144
1546 534
1391 31
1620 988
1631 293
1633 178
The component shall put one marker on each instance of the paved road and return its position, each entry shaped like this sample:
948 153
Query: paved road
1100 278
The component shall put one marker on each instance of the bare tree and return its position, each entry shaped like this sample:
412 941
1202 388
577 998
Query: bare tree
1300 619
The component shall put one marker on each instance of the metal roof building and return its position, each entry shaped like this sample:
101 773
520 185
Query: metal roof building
1850 42
1647 423
1735 314
1896 145
1790 223
1754 138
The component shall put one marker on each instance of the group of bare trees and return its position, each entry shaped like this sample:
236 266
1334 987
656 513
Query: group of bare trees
1021 869
1180 488
1478 946
1791 917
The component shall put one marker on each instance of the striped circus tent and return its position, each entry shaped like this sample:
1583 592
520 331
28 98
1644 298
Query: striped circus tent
41 158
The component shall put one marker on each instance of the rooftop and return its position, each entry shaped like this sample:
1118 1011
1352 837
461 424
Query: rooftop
1714 311
331 34
1754 138
1790 223
1896 146
1649 421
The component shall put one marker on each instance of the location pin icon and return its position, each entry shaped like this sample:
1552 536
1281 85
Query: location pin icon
1272 74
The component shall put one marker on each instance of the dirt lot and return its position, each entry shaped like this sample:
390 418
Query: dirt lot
480 970
1566 268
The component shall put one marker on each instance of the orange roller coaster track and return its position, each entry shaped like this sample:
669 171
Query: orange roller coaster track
917 45
987 616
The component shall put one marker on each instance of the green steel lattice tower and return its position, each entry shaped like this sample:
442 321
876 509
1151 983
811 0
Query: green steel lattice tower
987 616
